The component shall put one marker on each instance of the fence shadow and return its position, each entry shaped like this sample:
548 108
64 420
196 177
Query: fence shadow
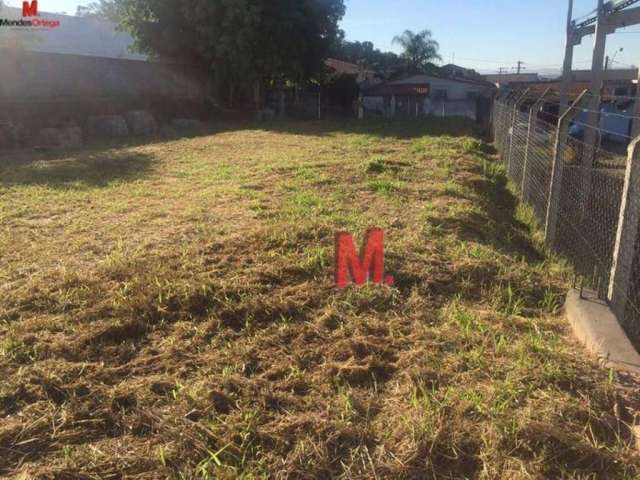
85 169
496 223
380 128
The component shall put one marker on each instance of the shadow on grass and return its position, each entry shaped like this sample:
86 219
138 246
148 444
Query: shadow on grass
381 128
84 169
496 225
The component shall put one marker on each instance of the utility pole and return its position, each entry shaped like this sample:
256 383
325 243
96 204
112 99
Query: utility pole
568 62
519 66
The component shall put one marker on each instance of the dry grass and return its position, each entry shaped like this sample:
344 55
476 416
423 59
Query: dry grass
167 311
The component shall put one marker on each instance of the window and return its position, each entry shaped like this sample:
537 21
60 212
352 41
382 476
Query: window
620 91
440 94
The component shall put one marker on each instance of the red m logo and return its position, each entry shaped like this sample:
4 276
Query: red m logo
360 267
30 10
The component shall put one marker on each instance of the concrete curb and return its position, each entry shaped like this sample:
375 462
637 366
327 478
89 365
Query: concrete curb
597 328
595 325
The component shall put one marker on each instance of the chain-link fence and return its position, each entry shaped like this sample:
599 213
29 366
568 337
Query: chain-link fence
575 186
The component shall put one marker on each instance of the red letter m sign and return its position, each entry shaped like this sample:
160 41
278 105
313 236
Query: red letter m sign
368 266
30 10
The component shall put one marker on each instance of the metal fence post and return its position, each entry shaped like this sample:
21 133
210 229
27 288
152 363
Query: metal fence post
533 118
555 188
504 118
627 236
512 129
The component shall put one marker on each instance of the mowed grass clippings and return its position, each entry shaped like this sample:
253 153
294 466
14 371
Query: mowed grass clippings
168 311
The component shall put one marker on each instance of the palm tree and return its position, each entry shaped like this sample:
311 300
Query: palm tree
420 49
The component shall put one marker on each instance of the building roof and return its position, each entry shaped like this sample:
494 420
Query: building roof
418 85
342 67
511 77
78 36
387 89
451 69
423 79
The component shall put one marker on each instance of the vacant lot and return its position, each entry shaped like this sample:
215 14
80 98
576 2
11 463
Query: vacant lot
167 311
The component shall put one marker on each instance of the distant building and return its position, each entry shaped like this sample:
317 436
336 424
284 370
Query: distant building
419 95
618 82
501 80
75 36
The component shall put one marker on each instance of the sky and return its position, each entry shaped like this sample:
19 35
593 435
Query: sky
481 34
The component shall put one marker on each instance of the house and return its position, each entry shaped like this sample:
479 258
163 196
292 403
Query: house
617 82
428 95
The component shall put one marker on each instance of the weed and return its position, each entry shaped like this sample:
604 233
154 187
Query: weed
376 165
385 186
471 145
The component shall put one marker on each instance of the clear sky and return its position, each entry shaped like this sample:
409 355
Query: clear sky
481 34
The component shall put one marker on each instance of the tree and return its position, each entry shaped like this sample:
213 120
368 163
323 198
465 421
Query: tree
420 49
102 9
365 53
240 42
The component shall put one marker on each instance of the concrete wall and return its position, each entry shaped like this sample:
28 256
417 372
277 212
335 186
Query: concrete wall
41 90
34 76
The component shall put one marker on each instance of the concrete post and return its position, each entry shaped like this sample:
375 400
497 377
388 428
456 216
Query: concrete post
533 118
393 106
567 68
360 108
555 188
516 108
624 251
502 134
593 118
635 126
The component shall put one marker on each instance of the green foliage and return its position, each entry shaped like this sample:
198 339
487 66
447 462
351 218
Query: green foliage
365 53
377 165
102 9
420 50
242 43
471 145
385 186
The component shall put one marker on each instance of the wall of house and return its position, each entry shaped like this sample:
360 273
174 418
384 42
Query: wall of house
455 90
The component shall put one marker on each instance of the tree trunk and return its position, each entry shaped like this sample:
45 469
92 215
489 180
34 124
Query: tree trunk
257 97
